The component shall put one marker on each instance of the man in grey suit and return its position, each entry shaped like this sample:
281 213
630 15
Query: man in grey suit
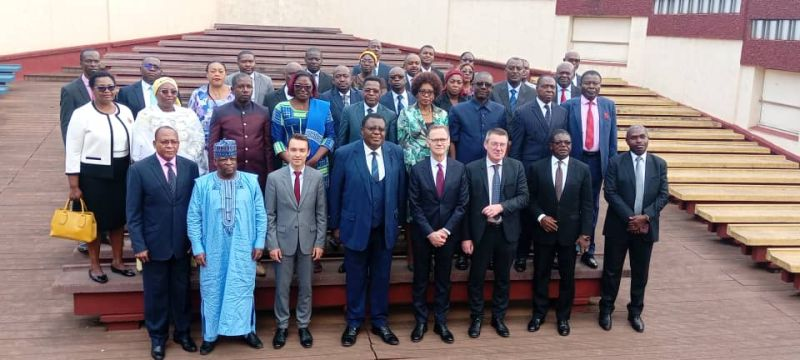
262 84
353 115
296 225
511 93
313 59
76 93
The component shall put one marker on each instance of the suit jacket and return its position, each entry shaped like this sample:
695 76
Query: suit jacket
350 200
574 91
620 193
263 86
530 137
437 72
156 216
350 126
334 97
389 98
383 71
429 211
514 198
575 209
606 113
290 223
73 96
274 98
325 82
132 97
500 94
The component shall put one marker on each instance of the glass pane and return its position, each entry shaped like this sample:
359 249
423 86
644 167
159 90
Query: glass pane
796 30
737 4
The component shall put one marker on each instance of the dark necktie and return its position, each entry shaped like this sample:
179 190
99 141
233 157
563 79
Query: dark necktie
547 114
559 180
370 111
171 177
297 186
375 174
399 104
513 99
439 181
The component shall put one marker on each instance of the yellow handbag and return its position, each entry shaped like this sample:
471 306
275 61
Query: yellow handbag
74 225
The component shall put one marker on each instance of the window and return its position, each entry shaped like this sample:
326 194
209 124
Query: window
603 39
787 30
675 7
780 105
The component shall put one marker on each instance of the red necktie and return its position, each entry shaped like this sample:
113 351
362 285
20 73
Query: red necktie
563 95
439 181
297 186
589 128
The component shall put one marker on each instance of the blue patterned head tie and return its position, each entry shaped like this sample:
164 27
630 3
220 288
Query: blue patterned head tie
225 148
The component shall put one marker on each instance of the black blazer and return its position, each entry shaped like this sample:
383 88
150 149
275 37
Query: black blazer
73 96
156 216
620 193
430 212
132 97
325 82
514 198
530 137
574 211
274 98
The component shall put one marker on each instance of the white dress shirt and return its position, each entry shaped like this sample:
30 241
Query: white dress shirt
405 98
302 177
541 107
516 89
367 107
253 77
633 159
567 93
435 168
286 92
379 156
554 168
147 89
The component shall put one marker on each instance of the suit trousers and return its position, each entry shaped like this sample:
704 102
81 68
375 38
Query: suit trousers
542 268
493 245
613 260
442 266
302 265
368 271
166 296
596 172
526 234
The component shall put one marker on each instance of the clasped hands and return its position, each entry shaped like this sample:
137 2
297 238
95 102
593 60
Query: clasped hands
637 224
438 237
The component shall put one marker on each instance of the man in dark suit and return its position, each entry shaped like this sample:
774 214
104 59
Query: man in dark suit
398 97
565 89
381 68
313 59
438 196
341 96
366 201
592 125
262 83
427 56
141 94
561 203
511 93
353 115
574 58
77 92
159 190
498 192
412 66
636 190
282 94
530 141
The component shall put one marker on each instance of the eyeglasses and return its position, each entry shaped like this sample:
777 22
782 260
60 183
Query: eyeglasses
375 128
483 84
151 67
562 142
302 87
105 88
168 92
425 92
395 76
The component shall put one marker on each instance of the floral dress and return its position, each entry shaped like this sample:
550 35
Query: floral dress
412 133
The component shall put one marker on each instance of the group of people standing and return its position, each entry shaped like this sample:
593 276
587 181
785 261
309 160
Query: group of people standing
472 169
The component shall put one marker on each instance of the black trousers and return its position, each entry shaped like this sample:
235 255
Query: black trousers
442 266
493 245
613 260
526 234
542 268
166 296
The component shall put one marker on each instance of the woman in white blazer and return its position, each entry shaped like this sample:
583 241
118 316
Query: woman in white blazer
97 160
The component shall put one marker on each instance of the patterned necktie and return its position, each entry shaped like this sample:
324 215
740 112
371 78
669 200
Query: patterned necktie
171 177
637 203
559 180
589 128
439 181
297 186
513 99
399 104
547 114
370 111
496 184
374 172
563 95
346 99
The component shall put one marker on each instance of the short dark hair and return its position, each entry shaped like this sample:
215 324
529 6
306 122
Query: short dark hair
238 77
84 51
426 78
427 47
545 76
465 53
496 131
299 137
555 133
381 82
312 49
591 72
98 74
208 64
242 53
372 116
297 75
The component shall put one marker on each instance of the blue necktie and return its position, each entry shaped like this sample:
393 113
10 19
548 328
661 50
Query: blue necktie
496 184
375 174
399 104
513 100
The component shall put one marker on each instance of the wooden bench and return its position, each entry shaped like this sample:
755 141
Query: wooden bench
701 147
687 134
642 100
728 161
734 176
754 239
788 260
656 110
720 216
689 195
668 121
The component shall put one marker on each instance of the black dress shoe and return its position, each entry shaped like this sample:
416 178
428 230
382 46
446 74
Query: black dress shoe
279 339
563 327
186 343
474 328
341 268
419 331
83 248
636 323
102 278
535 324
253 341
444 333
588 260
604 320
123 272
386 335
306 340
520 264
317 267
349 336
462 263
500 327
157 352
206 347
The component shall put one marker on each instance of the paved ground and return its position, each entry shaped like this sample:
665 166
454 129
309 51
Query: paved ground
705 300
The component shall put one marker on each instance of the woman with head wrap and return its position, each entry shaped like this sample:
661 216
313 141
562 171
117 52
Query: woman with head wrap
453 92
367 60
168 112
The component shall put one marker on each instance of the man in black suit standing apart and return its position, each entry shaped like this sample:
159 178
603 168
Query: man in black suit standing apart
77 92
511 93
530 140
561 203
141 94
438 196
313 61
636 189
498 191
159 189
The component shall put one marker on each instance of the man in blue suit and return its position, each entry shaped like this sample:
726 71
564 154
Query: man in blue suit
159 189
341 95
593 127
366 204
397 98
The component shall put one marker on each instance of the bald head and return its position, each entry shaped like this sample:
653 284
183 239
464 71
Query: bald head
375 46
341 78
291 69
397 79
573 58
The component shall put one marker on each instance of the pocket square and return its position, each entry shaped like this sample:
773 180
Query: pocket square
605 115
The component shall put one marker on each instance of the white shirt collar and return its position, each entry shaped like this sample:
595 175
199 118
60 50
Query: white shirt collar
286 92
554 161
369 151
291 170
514 88
374 108
434 162
489 163
541 104
633 156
